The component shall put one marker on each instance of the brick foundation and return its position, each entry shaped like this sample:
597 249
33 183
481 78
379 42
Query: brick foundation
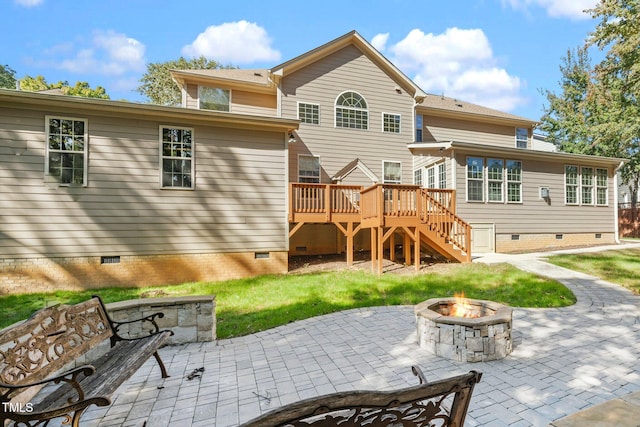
51 274
507 243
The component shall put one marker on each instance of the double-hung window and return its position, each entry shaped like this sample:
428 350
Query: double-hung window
67 150
571 184
213 98
309 113
309 169
176 157
586 176
602 186
351 111
522 137
514 181
442 175
495 179
475 179
431 177
417 177
419 123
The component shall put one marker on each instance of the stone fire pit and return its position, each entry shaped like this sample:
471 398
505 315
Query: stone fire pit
486 335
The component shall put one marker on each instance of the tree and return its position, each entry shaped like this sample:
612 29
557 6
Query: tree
618 77
157 84
82 89
598 110
7 77
567 118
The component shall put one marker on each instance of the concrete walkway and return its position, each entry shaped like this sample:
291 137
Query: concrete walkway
564 361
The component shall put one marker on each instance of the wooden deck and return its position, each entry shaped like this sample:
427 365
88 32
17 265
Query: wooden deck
424 217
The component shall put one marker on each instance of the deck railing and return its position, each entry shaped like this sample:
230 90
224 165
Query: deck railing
443 220
323 200
382 205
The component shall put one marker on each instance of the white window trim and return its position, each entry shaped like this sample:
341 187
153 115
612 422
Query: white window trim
319 168
593 186
421 171
192 158
391 161
308 103
502 180
527 140
85 172
221 88
440 165
578 190
335 111
484 180
399 124
507 182
606 187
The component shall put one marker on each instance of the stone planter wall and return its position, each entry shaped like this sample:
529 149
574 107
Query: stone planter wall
192 318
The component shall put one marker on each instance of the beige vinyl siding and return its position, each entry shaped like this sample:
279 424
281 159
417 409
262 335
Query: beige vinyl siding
253 103
535 215
449 129
192 95
238 204
321 83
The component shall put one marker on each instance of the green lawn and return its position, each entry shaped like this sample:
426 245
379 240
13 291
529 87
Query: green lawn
255 304
619 266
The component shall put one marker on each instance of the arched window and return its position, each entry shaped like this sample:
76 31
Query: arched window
351 111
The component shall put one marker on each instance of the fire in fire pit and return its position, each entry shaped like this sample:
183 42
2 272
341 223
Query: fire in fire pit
464 329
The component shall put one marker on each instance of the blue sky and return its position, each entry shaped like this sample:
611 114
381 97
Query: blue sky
497 53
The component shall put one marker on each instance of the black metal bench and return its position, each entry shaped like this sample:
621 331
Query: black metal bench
439 403
36 353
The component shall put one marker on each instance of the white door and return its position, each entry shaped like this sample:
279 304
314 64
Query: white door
483 238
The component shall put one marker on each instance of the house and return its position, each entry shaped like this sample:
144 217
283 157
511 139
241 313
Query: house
333 151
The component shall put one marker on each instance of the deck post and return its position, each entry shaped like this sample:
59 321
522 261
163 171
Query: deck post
374 246
407 248
380 249
416 248
350 243
392 247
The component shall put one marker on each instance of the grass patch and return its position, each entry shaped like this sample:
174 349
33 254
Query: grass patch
618 266
250 305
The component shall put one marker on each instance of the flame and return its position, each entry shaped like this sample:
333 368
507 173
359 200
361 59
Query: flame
461 307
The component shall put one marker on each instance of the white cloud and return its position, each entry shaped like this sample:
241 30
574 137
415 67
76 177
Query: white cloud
458 63
573 9
28 3
109 53
239 42
379 41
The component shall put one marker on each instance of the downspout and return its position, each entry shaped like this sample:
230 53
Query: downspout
616 218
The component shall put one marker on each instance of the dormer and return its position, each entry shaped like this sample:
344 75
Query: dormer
240 91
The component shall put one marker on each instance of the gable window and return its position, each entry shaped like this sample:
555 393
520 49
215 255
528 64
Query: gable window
392 172
475 179
391 123
176 157
66 150
213 98
602 192
522 137
514 181
587 185
418 127
351 111
309 113
309 169
571 184
495 179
